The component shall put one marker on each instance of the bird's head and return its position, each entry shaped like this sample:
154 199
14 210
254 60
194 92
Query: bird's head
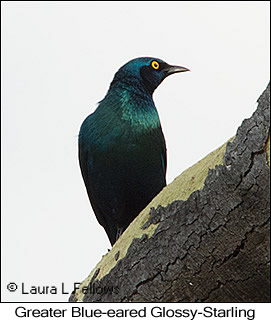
148 70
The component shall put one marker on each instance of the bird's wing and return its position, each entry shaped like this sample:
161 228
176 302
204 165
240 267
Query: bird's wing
102 196
89 177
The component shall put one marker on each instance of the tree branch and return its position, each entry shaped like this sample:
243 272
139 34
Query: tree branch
210 239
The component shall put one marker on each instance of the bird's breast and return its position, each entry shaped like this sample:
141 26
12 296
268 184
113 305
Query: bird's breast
138 112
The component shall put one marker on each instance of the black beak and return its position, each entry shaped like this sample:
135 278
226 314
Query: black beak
172 69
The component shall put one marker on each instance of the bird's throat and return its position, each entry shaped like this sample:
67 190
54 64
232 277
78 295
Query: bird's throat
139 112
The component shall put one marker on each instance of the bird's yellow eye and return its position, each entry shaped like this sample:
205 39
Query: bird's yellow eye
155 65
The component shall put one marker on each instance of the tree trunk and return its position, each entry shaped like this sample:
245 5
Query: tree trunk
209 242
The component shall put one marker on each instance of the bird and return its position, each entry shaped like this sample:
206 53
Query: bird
122 149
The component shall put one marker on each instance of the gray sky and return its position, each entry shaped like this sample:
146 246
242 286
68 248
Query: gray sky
57 62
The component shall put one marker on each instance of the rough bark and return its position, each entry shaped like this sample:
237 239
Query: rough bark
213 246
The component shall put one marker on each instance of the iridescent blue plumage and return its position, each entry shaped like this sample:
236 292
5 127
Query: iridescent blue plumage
122 150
